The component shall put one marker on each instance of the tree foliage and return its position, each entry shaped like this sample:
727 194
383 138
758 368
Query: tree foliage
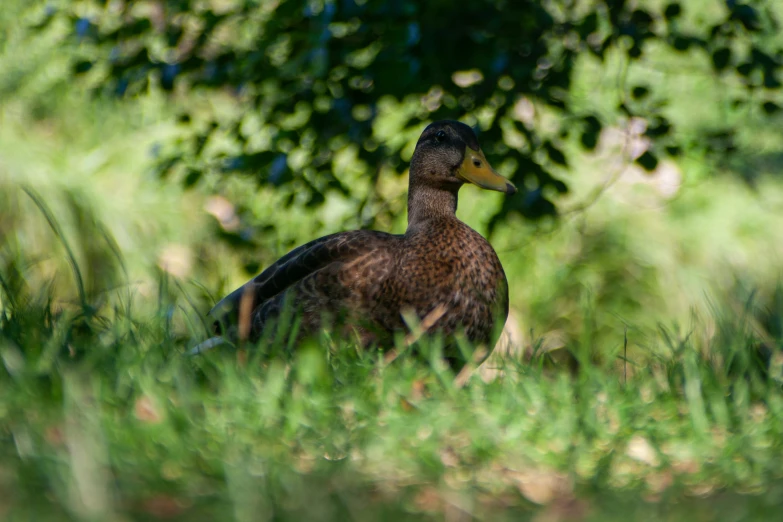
316 74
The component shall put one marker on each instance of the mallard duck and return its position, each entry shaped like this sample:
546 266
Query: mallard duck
439 269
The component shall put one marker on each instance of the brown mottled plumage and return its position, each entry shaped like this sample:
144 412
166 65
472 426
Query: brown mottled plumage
371 278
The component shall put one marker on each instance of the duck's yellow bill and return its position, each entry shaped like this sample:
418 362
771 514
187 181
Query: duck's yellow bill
477 170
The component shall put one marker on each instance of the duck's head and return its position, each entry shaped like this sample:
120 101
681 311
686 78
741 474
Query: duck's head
448 155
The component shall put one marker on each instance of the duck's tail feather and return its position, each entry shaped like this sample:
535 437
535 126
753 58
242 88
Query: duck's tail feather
207 345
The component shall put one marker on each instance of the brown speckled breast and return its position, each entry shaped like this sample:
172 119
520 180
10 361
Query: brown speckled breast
444 261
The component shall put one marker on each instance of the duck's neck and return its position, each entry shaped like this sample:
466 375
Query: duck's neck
427 202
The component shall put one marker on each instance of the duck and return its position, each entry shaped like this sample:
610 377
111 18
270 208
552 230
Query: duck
440 272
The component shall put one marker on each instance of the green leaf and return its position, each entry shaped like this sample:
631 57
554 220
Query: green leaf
555 154
721 58
770 107
648 161
639 92
672 11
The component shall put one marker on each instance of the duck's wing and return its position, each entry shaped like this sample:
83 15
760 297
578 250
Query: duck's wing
292 268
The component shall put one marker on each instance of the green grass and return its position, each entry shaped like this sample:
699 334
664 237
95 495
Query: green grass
635 387
108 418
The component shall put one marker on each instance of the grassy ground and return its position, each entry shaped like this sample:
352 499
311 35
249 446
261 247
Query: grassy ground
129 427
643 379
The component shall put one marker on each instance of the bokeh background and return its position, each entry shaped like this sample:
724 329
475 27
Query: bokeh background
156 154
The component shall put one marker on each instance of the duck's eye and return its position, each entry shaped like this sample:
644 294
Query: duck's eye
440 136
